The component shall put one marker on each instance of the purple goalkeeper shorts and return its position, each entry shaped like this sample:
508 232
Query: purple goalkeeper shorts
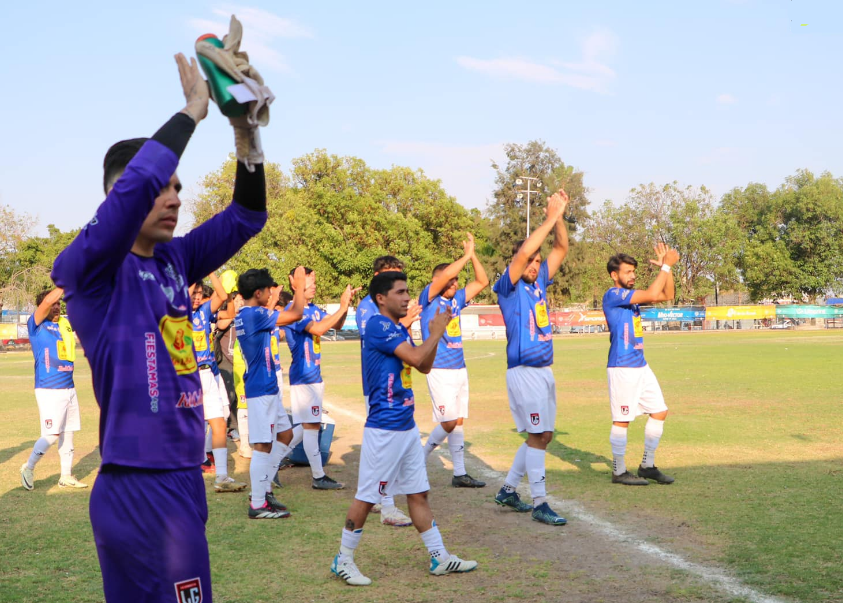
149 528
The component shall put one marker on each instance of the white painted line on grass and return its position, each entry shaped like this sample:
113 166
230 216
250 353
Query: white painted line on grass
715 577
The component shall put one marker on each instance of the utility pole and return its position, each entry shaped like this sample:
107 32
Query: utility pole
529 191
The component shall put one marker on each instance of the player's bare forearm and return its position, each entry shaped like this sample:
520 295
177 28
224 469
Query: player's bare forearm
560 247
654 293
296 311
419 357
441 280
480 282
219 296
528 249
43 309
669 287
328 323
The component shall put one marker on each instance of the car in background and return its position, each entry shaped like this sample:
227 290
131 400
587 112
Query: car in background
782 325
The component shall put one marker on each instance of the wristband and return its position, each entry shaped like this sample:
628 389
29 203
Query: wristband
665 268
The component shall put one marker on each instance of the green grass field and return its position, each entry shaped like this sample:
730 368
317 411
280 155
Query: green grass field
753 439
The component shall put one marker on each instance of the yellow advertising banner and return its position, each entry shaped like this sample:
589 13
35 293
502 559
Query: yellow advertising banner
8 331
740 312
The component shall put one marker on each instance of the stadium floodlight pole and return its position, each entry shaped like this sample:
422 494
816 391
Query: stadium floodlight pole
530 191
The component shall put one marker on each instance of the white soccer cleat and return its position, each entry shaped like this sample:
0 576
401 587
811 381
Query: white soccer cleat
68 481
27 477
377 508
393 516
244 450
451 565
347 570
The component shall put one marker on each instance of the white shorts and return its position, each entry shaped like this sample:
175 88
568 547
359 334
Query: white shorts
279 376
266 419
449 394
633 392
58 410
532 398
391 463
214 401
306 400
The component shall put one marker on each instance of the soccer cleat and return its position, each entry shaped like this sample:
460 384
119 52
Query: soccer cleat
452 565
208 465
654 474
326 483
228 484
628 479
274 502
393 516
466 481
245 450
27 477
68 481
276 481
346 570
544 514
234 435
377 508
511 499
267 512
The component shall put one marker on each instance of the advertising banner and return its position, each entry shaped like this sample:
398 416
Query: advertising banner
9 330
795 311
740 312
578 319
671 314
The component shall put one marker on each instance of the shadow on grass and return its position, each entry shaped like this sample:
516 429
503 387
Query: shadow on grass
8 453
83 466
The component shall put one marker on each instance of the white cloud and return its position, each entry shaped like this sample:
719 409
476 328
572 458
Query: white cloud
590 73
465 170
260 30
725 99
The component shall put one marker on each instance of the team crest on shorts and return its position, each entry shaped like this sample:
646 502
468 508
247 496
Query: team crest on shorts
314 410
382 489
624 410
441 410
189 591
48 423
534 418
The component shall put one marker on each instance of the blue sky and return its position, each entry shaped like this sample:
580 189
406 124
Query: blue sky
719 93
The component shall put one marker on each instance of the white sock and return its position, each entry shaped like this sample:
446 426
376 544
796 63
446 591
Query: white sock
66 453
653 431
221 462
437 436
243 426
617 438
314 455
279 451
433 541
40 449
209 434
259 474
518 469
349 542
298 435
456 444
387 502
535 473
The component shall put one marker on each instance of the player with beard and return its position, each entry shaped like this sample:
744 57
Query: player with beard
522 297
55 393
633 388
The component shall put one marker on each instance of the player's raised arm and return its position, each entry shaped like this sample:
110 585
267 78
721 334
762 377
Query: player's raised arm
441 279
220 296
337 319
414 310
481 280
560 239
421 357
141 204
659 290
286 317
554 212
45 307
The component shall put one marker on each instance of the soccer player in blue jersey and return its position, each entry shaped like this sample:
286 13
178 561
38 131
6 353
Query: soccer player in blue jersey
391 459
58 408
633 388
214 396
522 297
448 379
270 431
391 515
307 389
126 278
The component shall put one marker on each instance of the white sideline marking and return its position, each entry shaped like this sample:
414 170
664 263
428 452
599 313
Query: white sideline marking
713 576
489 355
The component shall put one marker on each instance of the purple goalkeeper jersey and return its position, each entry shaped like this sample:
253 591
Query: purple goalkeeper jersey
133 316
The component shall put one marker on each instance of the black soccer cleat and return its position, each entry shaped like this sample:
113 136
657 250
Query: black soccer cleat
654 474
466 481
628 479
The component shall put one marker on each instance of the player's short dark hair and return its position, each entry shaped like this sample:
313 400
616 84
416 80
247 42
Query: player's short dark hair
253 280
40 297
439 268
614 263
383 283
284 298
387 262
516 246
306 271
117 158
